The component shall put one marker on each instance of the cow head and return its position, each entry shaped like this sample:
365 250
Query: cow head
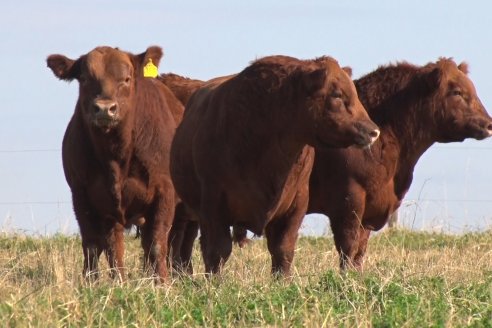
107 80
456 108
338 118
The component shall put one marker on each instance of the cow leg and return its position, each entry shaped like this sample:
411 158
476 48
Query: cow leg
216 240
281 237
216 244
346 224
114 250
92 245
347 231
176 235
146 241
154 250
191 233
282 233
345 243
181 238
359 256
155 234
92 250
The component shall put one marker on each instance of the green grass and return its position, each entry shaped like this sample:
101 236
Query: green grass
410 280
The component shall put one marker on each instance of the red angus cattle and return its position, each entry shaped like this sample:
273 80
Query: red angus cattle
241 156
415 107
185 230
182 87
116 154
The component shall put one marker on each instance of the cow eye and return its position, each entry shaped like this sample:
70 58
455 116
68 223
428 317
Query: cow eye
337 94
456 92
126 81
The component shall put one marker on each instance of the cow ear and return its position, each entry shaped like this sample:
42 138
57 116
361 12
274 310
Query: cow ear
463 67
348 70
314 80
432 79
153 54
63 67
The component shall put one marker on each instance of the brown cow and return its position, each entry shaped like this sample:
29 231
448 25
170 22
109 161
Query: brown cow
414 107
182 87
240 156
185 229
116 154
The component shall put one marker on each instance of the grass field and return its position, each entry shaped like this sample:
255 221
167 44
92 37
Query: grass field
410 280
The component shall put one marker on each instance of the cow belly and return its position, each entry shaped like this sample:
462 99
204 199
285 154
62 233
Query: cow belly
247 212
253 208
134 198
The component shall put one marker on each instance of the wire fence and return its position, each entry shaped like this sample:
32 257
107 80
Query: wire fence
13 151
58 150
51 150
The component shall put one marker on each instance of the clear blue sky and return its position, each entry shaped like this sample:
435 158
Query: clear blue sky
205 39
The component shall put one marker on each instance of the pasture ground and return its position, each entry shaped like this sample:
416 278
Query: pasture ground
411 279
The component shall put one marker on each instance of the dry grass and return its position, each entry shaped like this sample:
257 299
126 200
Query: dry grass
410 279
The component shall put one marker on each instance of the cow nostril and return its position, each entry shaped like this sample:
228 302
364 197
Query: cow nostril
374 134
112 110
489 127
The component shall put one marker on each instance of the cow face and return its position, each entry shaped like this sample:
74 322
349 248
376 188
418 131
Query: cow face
458 112
107 78
337 115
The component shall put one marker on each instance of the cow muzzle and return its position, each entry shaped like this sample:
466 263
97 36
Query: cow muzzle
367 134
482 129
106 113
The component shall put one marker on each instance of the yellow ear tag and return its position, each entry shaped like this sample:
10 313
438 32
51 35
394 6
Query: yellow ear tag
150 70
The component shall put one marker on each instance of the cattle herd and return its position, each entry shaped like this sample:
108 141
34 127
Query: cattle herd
253 151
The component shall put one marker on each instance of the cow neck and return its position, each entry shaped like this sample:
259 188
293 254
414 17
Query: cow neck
275 142
409 146
114 146
284 147
289 150
410 134
280 166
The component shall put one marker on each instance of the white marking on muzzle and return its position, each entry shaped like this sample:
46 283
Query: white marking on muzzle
377 134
